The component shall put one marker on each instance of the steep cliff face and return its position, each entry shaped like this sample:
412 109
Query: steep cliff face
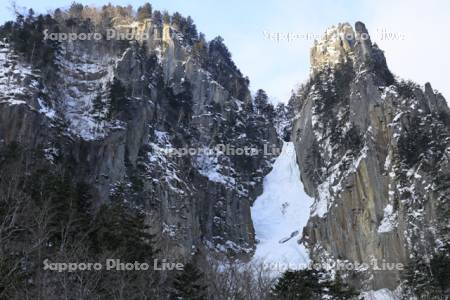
120 116
374 153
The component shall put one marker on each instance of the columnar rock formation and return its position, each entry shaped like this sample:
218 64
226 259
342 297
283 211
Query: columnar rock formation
112 113
374 153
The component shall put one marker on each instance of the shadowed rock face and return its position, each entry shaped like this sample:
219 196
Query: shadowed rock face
374 153
111 112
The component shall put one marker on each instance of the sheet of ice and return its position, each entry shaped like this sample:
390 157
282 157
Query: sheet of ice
280 214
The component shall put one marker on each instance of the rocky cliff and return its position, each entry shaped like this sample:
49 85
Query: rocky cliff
121 115
374 153
161 121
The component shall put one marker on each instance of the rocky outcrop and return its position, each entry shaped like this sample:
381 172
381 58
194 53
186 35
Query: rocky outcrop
118 116
374 153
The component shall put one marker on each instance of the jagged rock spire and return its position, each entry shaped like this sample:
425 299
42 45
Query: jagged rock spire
344 43
334 48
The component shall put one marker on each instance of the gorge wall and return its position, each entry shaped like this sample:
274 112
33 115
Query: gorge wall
374 153
120 117
112 114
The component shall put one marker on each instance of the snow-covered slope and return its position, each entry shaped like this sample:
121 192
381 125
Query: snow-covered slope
280 213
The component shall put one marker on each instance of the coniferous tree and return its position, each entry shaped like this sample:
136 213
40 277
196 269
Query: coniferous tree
97 107
58 15
200 49
440 266
157 17
122 230
26 37
189 284
414 142
180 104
418 277
166 17
117 98
144 12
298 285
177 20
190 29
312 284
261 101
269 112
76 10
430 279
339 290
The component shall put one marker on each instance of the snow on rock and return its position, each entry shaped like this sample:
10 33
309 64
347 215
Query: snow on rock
16 79
46 110
332 185
389 221
209 165
85 78
383 294
280 214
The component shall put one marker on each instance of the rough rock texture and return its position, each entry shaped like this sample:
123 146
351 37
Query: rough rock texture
112 113
374 153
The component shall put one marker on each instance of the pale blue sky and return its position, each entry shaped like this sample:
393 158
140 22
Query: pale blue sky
419 53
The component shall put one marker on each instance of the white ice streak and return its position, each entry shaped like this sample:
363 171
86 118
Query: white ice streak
280 214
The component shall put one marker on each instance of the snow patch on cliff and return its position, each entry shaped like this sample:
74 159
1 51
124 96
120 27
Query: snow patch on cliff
209 166
383 294
332 185
17 80
389 221
85 79
280 214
